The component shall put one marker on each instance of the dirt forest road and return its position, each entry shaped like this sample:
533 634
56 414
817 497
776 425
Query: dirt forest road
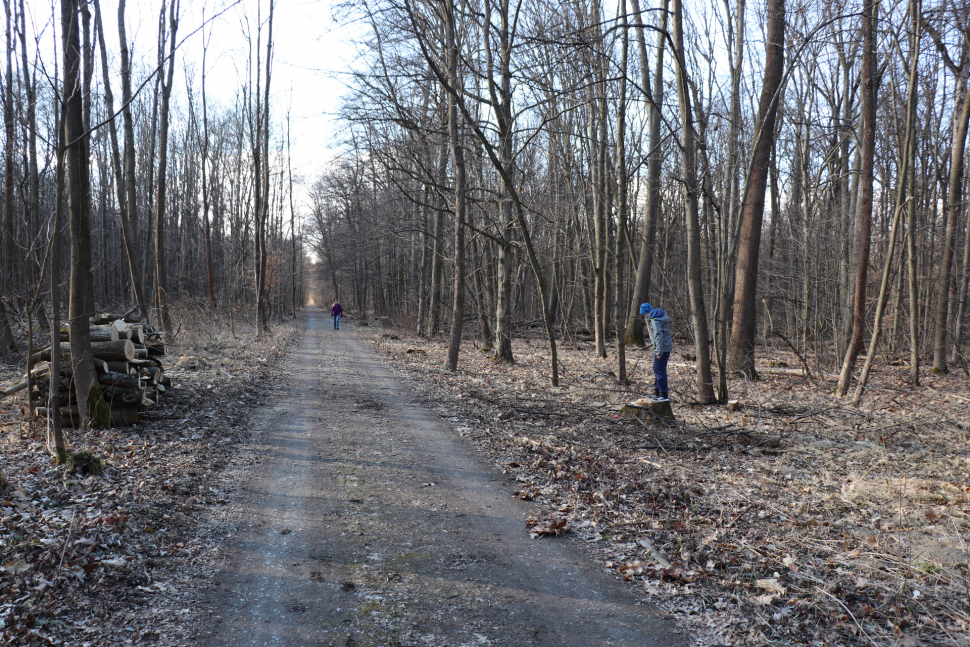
369 521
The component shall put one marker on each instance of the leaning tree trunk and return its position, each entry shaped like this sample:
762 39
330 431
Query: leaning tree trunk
901 200
868 91
741 357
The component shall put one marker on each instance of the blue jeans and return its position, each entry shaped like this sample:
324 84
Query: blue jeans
660 372
336 321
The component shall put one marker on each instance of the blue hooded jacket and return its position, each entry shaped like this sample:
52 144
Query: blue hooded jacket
659 326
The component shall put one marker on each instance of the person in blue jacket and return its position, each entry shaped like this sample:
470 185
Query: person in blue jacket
658 323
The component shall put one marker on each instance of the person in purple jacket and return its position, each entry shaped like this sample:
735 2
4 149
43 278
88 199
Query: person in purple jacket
335 311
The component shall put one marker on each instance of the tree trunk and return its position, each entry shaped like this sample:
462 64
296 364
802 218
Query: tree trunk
619 300
911 255
128 236
262 215
501 96
210 278
9 279
961 117
729 233
641 291
129 214
868 91
705 387
741 356
30 145
599 251
438 243
55 441
81 305
8 347
458 161
161 297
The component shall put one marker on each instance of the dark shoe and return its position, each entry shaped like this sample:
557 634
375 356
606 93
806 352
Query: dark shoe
664 397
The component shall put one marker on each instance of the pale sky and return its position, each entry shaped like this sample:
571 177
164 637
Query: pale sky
311 52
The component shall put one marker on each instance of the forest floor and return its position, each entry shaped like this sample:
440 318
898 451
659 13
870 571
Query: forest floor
795 519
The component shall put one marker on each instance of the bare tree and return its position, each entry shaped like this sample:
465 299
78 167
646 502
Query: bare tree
458 162
81 305
960 121
261 159
206 162
870 12
129 214
641 291
161 278
622 184
901 198
741 357
705 387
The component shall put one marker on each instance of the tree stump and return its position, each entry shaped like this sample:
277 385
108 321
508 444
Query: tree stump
646 409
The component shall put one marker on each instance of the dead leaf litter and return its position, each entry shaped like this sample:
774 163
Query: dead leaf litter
788 518
114 558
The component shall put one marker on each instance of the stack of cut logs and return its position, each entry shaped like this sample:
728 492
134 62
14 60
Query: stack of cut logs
127 357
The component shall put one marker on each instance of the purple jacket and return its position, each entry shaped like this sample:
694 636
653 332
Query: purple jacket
336 309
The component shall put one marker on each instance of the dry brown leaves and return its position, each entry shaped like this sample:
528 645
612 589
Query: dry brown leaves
795 519
82 555
545 524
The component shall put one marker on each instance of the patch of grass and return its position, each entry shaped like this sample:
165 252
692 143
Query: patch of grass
927 568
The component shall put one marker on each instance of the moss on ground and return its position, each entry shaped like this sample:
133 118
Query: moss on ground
84 462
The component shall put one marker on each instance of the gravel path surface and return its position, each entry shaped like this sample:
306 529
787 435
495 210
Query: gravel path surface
369 521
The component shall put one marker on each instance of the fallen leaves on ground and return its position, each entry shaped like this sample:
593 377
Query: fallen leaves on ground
97 560
789 518
546 523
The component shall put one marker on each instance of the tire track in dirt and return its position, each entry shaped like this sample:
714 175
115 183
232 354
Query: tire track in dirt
368 521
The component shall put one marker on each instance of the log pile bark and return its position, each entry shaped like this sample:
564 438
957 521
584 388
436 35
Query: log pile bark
128 356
